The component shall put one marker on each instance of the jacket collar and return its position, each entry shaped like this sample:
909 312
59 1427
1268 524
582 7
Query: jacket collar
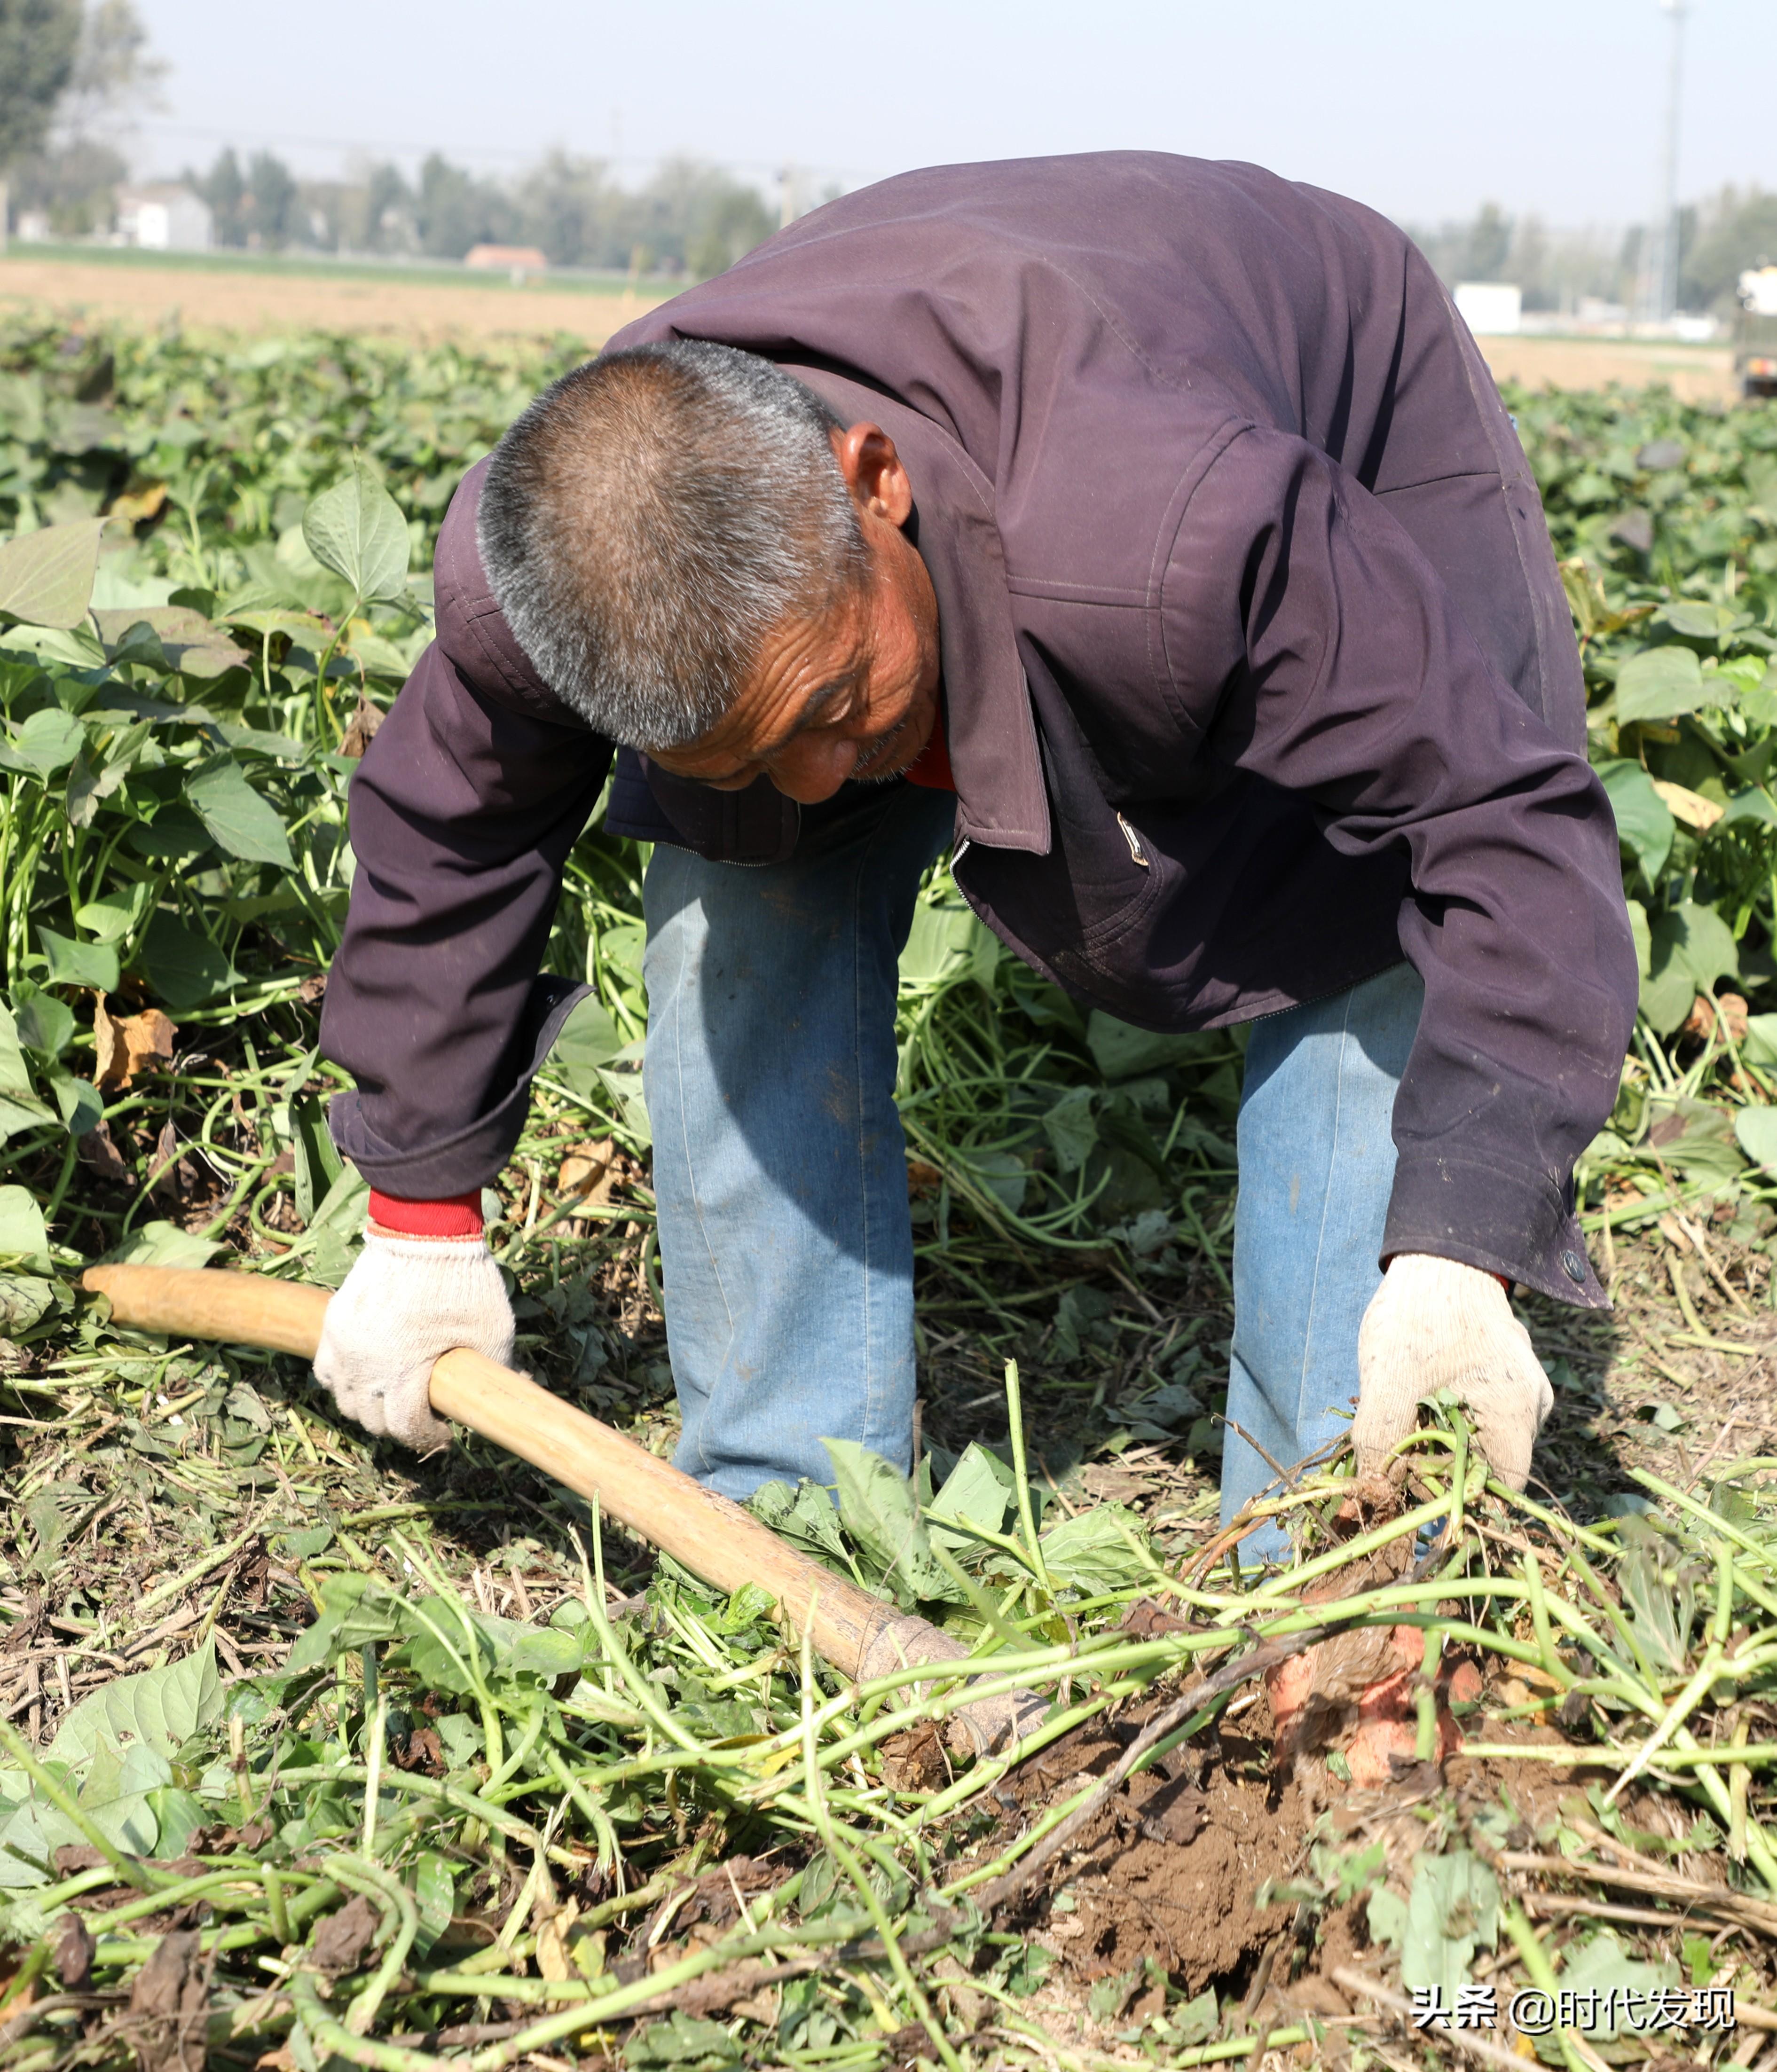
1001 799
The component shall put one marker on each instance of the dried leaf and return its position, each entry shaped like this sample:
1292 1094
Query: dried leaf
170 1999
98 1151
588 1171
74 1952
130 1044
344 1939
361 728
553 1960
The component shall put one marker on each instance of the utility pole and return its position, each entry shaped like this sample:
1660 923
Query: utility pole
1663 260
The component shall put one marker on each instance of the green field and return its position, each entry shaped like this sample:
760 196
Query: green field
328 266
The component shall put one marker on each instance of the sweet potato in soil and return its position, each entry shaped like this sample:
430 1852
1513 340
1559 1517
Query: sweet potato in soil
1172 1870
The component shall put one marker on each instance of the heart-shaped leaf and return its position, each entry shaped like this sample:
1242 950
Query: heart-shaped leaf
46 576
355 529
241 820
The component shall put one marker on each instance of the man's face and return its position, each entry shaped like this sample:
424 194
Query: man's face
854 694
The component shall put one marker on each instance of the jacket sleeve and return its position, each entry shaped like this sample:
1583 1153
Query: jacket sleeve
1309 641
462 813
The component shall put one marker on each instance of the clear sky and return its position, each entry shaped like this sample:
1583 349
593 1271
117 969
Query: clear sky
1423 108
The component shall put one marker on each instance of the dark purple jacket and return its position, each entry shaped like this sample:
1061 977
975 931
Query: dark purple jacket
1257 666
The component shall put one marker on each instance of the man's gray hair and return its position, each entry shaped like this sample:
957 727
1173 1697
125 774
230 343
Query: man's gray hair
649 521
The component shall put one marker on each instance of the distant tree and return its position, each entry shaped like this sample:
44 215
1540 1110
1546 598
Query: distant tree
388 211
696 217
568 211
73 184
456 211
112 67
224 188
1734 231
1489 244
269 212
39 41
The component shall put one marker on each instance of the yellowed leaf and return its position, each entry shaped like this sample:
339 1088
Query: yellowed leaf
553 1959
588 1171
1689 807
128 1044
144 501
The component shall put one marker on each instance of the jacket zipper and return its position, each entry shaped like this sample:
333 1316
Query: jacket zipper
1135 846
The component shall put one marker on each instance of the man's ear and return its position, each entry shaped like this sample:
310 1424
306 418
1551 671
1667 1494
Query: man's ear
873 473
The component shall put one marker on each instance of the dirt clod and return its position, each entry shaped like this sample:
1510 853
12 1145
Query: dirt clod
343 1940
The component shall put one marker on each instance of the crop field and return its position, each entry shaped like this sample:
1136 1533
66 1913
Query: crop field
313 1755
268 294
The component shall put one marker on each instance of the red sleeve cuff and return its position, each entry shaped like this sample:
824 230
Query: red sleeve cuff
459 1216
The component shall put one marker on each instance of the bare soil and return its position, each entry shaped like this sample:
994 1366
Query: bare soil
1694 373
206 299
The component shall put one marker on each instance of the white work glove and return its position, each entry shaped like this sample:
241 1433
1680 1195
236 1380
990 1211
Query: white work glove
1434 1324
407 1300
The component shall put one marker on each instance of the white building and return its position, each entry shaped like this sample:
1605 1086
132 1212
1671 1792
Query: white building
1490 309
164 218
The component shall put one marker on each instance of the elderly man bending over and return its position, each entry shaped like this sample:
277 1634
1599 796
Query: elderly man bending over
1151 531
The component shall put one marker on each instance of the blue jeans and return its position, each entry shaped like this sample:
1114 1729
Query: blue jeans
779 1167
1317 1167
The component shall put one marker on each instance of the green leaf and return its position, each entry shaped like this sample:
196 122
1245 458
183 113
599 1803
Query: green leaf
1756 1128
434 1897
1642 936
1071 1129
1760 1046
683 2043
239 818
942 939
1098 1550
355 529
589 1039
1659 683
1613 1982
70 963
25 1301
117 916
46 577
805 1517
157 1709
981 1489
346 1620
24 1239
318 1165
185 968
1644 822
20 1109
1124 1052
877 1508
164 1244
49 740
78 1102
1692 947
1454 1906
45 1025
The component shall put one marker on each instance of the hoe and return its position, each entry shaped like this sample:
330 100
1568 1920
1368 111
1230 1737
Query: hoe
857 1633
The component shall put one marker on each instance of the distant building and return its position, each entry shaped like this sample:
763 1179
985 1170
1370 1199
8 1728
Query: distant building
34 226
1490 309
517 259
164 218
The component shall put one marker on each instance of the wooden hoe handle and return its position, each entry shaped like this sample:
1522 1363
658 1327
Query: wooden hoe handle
714 1538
